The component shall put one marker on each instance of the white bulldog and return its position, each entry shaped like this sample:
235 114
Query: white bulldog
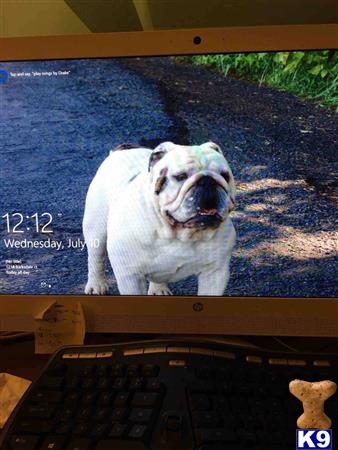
161 215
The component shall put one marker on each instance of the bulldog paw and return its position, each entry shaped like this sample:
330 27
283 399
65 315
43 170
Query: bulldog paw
97 287
158 289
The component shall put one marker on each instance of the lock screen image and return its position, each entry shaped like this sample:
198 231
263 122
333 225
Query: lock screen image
203 175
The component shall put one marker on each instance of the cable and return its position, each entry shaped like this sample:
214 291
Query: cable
292 349
7 336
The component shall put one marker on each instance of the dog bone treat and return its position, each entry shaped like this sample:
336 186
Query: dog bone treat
313 396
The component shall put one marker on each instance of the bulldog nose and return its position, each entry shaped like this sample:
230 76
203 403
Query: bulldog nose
207 193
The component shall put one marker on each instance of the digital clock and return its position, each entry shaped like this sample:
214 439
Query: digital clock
15 222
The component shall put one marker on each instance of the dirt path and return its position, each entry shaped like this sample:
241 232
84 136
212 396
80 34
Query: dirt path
283 152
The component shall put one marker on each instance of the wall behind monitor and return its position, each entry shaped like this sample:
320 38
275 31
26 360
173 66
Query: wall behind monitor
52 17
38 18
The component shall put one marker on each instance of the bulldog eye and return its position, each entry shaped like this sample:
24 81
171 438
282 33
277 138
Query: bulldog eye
226 176
181 176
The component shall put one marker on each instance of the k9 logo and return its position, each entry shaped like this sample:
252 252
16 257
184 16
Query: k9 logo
316 439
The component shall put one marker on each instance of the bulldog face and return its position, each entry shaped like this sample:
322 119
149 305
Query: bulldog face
193 185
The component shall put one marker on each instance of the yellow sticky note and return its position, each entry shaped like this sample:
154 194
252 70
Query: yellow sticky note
57 325
11 390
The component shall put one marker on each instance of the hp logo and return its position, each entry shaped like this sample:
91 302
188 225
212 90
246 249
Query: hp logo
198 307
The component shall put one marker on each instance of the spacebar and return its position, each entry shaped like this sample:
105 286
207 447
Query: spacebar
113 444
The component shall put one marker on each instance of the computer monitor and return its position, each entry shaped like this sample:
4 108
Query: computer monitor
197 163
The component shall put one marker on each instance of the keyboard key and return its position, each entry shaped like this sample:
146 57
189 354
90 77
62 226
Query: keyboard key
257 405
222 374
120 384
226 387
150 370
89 370
230 421
275 421
105 398
89 398
118 430
249 421
113 444
199 402
118 370
205 419
106 355
137 432
101 414
140 415
121 399
173 422
99 430
275 437
133 352
31 426
119 414
79 444
81 429
239 404
103 383
24 442
83 413
39 412
204 436
133 370
42 396
88 383
71 398
204 372
68 412
136 384
247 436
154 384
64 428
201 386
221 403
145 399
104 370
87 355
245 388
53 442
220 447
72 382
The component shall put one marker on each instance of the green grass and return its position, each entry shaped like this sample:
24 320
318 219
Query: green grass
312 75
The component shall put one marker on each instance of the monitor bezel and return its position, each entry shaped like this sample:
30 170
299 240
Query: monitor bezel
187 315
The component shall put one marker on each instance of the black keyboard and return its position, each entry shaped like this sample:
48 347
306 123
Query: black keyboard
165 395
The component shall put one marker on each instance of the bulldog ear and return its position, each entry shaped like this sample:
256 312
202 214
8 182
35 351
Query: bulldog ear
232 192
158 153
214 147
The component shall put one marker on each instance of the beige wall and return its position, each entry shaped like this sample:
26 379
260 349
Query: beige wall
50 17
38 17
204 13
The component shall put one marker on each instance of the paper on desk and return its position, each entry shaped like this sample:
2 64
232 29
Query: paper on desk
11 390
59 324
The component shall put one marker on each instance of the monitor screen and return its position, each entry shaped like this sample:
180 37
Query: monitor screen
208 174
